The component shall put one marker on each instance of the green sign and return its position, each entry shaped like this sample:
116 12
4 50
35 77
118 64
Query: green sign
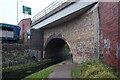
26 10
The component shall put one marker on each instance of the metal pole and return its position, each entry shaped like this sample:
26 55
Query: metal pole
22 7
24 15
17 11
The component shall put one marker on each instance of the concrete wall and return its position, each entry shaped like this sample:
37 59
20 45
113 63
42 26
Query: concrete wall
81 34
110 25
10 47
36 39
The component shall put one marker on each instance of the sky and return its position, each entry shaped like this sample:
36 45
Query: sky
8 9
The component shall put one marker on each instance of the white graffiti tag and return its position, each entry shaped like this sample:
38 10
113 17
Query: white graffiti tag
107 46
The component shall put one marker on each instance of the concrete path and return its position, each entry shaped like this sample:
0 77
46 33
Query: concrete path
62 70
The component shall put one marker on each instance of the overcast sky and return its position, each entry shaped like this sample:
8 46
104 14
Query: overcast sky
8 9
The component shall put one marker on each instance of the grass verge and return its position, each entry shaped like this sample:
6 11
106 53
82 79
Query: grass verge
92 69
41 74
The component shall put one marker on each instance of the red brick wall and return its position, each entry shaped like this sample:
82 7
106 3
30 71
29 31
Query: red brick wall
109 13
24 25
119 36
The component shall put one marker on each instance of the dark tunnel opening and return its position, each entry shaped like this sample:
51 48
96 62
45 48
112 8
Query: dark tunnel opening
57 49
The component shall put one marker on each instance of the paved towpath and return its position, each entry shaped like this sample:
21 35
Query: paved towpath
62 70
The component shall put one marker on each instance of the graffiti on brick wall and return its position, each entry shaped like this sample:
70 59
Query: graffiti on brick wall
106 45
118 51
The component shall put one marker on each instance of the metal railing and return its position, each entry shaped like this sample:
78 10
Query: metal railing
48 9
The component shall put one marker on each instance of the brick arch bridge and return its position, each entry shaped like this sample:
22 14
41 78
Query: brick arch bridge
54 47
89 28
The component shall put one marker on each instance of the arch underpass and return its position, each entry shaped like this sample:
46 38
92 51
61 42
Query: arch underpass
57 49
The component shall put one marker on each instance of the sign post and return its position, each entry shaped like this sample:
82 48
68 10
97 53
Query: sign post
17 11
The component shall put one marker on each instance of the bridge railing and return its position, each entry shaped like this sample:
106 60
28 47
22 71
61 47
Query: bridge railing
48 9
